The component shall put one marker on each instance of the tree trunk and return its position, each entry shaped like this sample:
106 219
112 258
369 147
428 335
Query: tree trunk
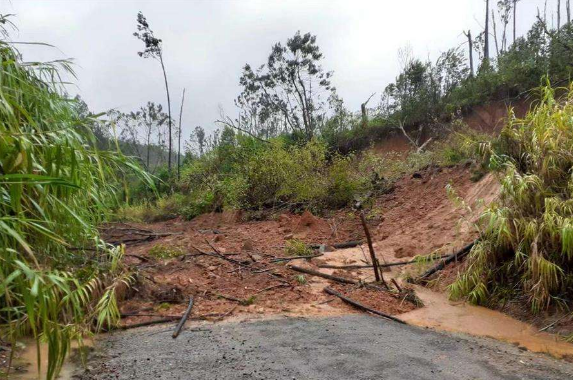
494 33
568 5
486 34
169 113
471 48
514 19
179 138
558 14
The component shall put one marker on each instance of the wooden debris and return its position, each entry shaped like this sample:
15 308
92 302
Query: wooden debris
289 258
360 266
324 275
183 319
449 259
360 306
348 244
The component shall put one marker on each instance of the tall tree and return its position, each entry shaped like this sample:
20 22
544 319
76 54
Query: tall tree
568 6
470 48
558 14
486 34
179 137
153 49
291 85
514 19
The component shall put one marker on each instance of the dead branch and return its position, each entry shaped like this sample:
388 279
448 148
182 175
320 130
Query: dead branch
289 258
360 306
348 244
449 259
323 275
183 319
399 263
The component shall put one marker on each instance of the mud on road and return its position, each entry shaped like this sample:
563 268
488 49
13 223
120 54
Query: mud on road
345 347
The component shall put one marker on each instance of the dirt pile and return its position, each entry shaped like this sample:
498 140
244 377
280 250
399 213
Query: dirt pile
231 264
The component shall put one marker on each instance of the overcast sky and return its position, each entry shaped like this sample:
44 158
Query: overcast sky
206 44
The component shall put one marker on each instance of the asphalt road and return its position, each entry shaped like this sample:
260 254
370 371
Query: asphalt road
348 347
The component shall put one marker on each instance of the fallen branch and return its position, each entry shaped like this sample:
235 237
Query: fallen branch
442 264
289 258
359 266
324 275
348 244
183 319
359 306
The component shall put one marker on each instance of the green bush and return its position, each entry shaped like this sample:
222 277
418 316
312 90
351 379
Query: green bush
527 236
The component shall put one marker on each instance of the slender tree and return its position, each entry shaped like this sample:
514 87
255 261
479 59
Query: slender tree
486 34
153 49
514 19
179 137
558 14
470 48
568 6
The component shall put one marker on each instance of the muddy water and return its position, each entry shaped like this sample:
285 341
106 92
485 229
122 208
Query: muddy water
27 360
441 314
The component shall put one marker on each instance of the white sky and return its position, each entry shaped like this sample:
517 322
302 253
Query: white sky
206 43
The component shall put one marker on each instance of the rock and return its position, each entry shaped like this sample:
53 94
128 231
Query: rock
256 257
218 238
247 245
288 236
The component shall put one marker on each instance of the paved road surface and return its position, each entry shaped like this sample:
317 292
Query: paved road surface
348 347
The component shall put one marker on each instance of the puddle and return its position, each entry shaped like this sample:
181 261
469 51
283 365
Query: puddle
27 359
441 314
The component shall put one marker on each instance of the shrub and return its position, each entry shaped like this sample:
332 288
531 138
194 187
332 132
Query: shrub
295 247
162 251
526 241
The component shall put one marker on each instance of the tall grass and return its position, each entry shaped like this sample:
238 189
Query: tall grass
527 238
57 278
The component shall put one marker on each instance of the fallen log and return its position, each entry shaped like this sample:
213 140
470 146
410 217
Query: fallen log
323 275
359 306
361 266
449 259
183 319
289 258
348 244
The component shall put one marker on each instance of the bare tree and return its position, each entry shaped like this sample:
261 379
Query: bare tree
470 47
514 19
568 6
179 137
416 143
364 110
486 33
494 33
558 14
153 49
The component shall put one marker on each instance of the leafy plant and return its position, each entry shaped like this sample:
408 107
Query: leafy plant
55 187
527 236
162 251
295 247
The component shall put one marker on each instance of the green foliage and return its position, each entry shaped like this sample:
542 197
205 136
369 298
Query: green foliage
163 251
295 247
246 173
527 237
55 186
